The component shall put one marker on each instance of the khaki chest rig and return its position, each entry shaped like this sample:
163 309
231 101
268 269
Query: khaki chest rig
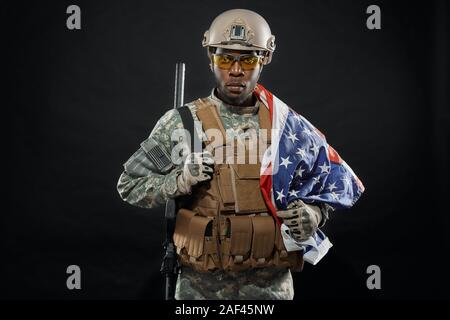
225 224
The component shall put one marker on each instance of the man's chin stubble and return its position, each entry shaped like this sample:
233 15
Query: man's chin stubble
232 100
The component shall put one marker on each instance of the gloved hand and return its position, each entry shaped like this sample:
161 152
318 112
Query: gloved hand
198 167
302 219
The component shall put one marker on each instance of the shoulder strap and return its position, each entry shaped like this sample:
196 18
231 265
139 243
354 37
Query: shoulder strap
264 121
208 115
188 123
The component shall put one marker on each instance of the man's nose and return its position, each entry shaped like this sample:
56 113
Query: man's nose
236 69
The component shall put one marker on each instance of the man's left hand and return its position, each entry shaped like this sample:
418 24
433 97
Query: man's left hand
302 219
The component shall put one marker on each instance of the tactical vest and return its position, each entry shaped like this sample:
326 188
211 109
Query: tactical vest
226 224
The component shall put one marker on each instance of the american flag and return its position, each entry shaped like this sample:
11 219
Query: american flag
300 164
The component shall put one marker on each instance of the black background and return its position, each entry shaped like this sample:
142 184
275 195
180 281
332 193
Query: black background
84 99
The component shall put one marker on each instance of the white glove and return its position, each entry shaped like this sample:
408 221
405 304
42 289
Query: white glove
302 219
198 167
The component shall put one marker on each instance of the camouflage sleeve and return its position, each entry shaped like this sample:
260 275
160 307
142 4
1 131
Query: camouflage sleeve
147 187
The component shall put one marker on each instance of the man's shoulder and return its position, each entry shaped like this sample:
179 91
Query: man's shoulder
172 120
195 104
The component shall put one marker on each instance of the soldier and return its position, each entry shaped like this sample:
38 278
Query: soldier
227 239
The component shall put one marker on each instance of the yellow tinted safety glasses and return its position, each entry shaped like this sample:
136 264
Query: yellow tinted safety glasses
225 61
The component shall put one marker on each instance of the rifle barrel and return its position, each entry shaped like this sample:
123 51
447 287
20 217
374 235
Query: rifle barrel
170 266
179 85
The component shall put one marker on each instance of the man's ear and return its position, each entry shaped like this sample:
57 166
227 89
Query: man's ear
211 67
260 70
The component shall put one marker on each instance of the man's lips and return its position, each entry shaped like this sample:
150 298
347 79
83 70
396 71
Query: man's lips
235 86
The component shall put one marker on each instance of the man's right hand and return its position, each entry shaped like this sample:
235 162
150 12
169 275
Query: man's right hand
198 167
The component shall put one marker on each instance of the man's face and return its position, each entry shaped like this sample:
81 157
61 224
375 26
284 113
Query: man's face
235 85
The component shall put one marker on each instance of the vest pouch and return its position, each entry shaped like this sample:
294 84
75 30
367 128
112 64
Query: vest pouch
236 247
284 259
295 259
246 189
263 241
226 187
202 246
181 233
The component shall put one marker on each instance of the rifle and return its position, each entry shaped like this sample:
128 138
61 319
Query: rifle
171 267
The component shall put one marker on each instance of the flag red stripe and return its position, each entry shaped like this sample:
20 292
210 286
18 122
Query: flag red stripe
333 155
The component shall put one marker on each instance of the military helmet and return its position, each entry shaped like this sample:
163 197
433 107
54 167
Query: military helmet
241 29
